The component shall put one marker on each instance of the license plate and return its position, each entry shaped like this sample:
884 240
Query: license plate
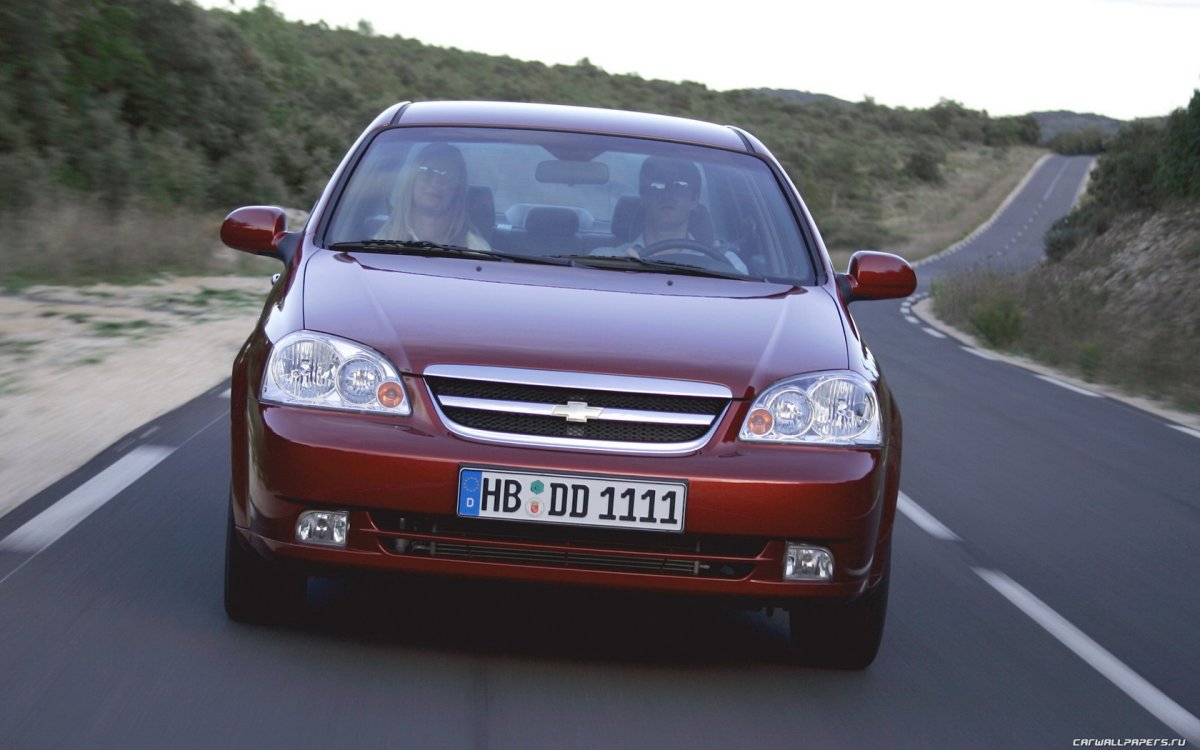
571 499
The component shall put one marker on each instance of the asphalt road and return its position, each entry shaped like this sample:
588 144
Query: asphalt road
1048 594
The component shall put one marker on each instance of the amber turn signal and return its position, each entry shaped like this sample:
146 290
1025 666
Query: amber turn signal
390 394
760 421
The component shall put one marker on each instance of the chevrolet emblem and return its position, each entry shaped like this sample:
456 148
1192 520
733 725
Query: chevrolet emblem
577 411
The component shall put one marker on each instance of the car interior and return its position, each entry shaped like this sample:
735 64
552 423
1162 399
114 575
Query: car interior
522 203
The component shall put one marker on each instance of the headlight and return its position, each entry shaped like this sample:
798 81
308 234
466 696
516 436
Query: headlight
828 408
314 369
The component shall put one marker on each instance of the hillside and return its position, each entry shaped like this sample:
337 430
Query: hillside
155 114
802 97
1115 300
1054 123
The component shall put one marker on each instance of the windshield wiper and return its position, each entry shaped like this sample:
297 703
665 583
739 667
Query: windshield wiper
432 249
631 263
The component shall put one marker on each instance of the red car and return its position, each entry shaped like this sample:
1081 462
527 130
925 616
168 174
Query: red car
539 343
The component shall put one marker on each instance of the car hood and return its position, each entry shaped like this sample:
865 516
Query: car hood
425 311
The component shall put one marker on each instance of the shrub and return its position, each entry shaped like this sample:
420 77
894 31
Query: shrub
1179 163
1089 356
925 165
998 320
1126 176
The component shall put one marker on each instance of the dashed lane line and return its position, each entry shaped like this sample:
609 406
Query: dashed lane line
1054 182
65 514
1068 386
980 353
1130 682
48 526
924 520
1153 700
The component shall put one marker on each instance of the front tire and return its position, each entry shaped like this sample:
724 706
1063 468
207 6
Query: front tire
840 635
256 590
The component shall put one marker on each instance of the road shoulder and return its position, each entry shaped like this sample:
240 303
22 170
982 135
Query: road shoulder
924 310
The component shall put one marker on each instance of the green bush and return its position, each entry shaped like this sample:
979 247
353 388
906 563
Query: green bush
1126 176
1075 142
1089 357
1179 163
998 320
1072 230
925 165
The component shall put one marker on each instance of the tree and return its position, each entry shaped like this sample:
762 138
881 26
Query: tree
1179 164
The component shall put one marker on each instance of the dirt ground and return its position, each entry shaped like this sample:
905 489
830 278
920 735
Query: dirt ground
82 366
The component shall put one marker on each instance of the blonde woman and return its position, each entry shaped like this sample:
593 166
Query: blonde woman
432 202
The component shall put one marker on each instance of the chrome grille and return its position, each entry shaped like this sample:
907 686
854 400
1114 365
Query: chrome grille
576 410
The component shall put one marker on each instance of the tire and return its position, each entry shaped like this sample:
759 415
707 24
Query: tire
840 635
256 590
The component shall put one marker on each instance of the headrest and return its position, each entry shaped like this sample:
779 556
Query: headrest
700 225
546 221
627 218
481 209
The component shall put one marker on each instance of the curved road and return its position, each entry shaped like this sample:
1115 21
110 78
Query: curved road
1045 591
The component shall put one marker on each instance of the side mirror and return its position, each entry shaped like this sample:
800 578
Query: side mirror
874 275
259 230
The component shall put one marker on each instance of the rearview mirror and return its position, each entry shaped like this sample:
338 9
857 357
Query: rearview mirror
875 275
561 172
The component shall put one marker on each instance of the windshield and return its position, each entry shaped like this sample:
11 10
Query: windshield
549 194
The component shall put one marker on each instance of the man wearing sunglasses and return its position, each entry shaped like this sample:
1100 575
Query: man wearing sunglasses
670 193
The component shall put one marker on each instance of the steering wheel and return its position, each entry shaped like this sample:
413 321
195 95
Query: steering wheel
682 243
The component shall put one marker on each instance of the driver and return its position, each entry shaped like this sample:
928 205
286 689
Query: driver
670 191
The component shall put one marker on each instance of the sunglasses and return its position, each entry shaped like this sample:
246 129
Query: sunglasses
662 187
434 172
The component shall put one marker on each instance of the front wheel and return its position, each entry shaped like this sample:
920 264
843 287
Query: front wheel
257 591
840 635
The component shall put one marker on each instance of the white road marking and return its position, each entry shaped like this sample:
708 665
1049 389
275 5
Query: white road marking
228 393
921 517
48 526
981 353
933 332
912 319
1131 683
1054 182
1068 386
1185 430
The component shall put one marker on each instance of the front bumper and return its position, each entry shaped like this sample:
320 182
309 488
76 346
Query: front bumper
398 479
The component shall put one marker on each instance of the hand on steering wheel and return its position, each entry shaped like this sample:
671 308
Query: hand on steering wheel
662 247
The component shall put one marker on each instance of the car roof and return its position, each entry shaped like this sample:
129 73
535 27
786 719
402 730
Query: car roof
570 118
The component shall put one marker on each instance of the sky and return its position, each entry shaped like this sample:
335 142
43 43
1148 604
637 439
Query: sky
1120 58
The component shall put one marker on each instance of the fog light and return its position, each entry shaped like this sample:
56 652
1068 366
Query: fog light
807 563
322 527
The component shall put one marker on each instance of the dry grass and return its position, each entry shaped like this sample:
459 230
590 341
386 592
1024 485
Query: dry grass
1112 311
68 240
977 181
931 218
